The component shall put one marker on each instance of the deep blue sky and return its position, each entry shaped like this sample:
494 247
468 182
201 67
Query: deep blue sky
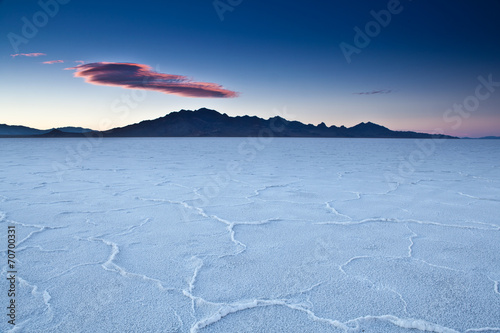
276 54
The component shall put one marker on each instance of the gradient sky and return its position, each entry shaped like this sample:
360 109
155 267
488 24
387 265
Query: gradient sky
262 58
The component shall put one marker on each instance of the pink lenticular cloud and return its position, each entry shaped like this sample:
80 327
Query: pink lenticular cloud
27 55
53 62
139 76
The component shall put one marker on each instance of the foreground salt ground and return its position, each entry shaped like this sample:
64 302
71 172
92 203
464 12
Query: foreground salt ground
300 235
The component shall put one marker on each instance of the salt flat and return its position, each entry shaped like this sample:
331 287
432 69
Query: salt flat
252 235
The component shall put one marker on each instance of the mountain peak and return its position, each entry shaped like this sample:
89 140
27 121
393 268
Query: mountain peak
205 111
369 123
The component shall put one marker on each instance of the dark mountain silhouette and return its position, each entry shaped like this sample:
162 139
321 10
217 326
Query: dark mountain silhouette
210 123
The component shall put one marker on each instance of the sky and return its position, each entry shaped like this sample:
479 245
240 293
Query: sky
427 66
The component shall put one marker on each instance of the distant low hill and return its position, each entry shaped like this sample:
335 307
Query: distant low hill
19 130
71 129
210 123
482 138
15 130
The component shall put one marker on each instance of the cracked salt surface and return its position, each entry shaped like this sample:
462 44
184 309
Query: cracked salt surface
154 235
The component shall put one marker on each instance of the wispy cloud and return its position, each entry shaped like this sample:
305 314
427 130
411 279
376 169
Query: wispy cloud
374 92
53 62
27 55
139 76
80 62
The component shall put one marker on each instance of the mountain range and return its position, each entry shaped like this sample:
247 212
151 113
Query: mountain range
210 123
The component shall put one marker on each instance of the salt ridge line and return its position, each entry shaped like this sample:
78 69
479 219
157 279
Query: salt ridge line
484 329
40 249
301 292
410 255
333 210
378 286
258 191
405 304
109 265
477 198
483 223
191 286
191 283
395 220
41 228
133 227
341 267
45 296
408 323
69 270
495 285
110 210
49 203
201 212
412 236
237 307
